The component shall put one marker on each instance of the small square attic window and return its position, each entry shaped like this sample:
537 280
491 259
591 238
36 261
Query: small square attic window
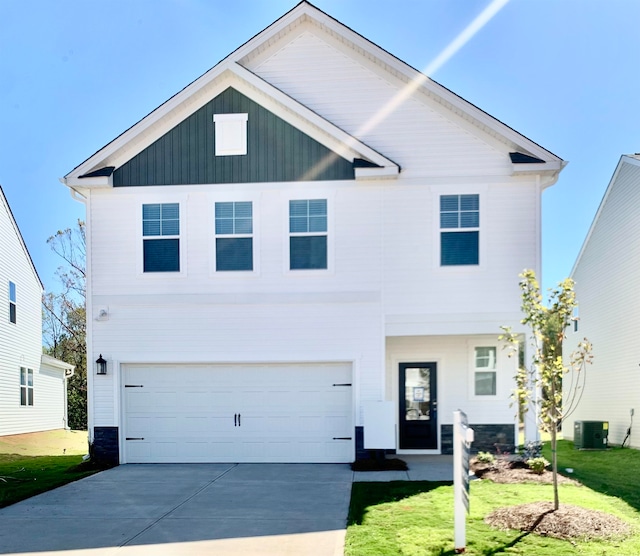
231 134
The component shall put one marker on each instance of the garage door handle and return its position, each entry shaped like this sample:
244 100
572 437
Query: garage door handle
342 438
239 422
133 438
235 419
343 384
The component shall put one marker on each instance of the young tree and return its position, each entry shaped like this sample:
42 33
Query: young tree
64 318
548 325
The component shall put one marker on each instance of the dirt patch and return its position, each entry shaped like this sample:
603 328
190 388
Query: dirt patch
48 443
568 522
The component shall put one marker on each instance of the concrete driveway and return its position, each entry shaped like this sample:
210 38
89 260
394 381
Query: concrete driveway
194 510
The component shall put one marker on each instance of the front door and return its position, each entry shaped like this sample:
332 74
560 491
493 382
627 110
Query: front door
418 406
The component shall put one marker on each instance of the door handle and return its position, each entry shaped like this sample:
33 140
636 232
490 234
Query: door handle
235 419
239 422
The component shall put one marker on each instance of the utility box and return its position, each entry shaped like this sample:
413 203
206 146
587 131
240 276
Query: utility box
591 435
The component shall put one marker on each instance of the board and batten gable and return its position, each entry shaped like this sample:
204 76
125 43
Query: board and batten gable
20 342
276 151
607 282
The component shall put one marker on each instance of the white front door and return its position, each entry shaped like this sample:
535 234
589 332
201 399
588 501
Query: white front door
238 413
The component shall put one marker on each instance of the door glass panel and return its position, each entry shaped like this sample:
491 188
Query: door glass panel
417 394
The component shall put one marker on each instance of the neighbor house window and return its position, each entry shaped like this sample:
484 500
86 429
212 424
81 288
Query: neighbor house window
230 134
308 234
459 230
12 302
161 243
485 371
234 236
26 386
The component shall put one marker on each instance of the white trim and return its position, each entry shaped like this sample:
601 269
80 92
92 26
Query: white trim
226 197
309 194
170 198
230 134
472 346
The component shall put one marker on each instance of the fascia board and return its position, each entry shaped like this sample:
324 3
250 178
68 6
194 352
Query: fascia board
310 122
377 173
624 159
56 363
99 182
192 98
168 114
402 70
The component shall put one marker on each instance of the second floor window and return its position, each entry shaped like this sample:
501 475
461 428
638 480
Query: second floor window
12 303
234 236
459 230
308 234
161 237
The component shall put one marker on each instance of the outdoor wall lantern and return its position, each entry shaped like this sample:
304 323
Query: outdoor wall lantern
101 366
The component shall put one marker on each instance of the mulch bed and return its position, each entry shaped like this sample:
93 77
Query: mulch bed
568 522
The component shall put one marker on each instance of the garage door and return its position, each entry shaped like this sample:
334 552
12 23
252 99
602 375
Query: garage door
238 413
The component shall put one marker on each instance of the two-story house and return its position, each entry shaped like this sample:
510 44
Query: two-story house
607 286
33 386
310 226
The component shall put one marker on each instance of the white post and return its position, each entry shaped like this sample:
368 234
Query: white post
462 439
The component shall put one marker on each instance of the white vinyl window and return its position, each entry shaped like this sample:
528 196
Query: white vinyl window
308 234
459 230
26 386
12 303
234 236
485 374
161 237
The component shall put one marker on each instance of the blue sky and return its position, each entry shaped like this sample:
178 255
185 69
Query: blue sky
75 74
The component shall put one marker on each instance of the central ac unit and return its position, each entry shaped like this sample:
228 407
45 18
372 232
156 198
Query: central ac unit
591 435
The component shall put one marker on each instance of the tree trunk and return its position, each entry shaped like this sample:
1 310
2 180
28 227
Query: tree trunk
554 465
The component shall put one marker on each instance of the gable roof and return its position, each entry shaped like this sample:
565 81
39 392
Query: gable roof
231 71
634 160
5 203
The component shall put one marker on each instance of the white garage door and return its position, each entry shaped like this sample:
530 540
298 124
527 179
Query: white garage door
238 413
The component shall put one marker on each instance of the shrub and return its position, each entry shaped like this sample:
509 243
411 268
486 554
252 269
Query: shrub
532 450
486 457
537 465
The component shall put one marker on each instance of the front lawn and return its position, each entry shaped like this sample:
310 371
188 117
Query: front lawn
416 518
34 463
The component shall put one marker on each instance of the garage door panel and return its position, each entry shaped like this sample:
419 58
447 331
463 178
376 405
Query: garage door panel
234 413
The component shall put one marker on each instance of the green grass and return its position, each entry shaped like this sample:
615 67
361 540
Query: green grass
34 463
416 518
614 471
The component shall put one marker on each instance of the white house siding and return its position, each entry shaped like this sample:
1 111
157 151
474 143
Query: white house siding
415 284
607 280
20 343
200 316
349 90
454 356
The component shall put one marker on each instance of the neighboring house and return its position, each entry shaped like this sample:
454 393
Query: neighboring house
310 226
33 387
607 285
